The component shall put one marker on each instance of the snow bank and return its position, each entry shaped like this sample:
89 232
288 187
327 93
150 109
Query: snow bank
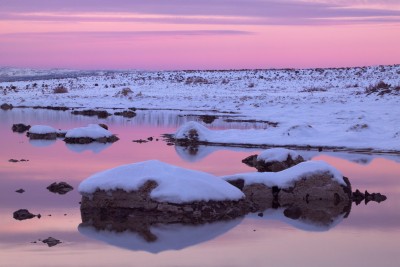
175 185
92 131
288 177
277 154
42 129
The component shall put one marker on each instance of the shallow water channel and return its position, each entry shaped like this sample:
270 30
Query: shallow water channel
369 236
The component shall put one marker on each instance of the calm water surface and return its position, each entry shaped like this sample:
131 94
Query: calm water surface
369 236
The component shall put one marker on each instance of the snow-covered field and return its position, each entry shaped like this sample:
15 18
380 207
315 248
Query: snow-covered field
310 104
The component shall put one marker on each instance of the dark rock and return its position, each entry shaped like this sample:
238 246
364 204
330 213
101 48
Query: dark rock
150 138
126 114
239 183
48 136
20 191
6 106
357 197
293 213
250 161
51 242
101 114
104 126
60 188
88 140
140 141
20 128
13 160
23 214
377 197
208 118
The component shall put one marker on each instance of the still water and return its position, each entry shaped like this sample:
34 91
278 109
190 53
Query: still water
369 236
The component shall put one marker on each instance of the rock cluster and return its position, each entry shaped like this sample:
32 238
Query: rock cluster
24 214
20 127
88 140
101 114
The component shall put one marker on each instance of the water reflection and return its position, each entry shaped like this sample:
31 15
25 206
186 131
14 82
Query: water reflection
146 233
41 143
94 147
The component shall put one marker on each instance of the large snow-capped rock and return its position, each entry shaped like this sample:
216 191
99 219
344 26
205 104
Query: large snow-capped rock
158 187
42 132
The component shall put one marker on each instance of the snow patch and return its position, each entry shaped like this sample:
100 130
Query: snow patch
277 154
42 129
92 131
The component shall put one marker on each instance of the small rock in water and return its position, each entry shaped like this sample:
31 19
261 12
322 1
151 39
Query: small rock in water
23 214
150 138
140 141
51 241
20 191
13 160
60 188
20 128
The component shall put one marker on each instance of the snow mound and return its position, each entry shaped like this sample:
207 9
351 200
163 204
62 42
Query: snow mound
92 131
277 154
42 129
288 177
193 131
175 184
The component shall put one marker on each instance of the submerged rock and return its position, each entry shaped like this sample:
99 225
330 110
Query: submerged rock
20 191
23 214
20 127
126 114
51 241
60 188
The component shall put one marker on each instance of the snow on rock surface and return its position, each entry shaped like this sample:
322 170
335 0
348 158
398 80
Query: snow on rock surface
94 131
277 154
42 129
193 131
175 184
288 177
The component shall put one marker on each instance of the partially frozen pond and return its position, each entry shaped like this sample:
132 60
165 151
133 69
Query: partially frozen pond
369 236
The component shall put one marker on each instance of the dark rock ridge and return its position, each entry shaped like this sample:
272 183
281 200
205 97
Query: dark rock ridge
126 114
358 197
24 214
60 188
16 160
6 106
101 114
20 128
272 166
88 140
51 241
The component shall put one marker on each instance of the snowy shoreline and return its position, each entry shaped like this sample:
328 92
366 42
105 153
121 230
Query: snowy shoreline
354 108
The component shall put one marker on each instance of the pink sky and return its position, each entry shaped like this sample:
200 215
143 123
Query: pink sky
192 34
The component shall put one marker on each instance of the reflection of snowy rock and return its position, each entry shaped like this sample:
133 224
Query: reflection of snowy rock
89 134
42 132
316 217
274 160
159 187
95 147
41 143
154 238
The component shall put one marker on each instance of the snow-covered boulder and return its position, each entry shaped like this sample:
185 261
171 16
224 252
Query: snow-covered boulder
43 132
308 181
192 132
274 160
89 134
154 186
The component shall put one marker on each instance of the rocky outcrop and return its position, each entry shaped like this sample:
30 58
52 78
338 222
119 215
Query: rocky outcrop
88 140
20 128
45 136
60 188
140 200
358 197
